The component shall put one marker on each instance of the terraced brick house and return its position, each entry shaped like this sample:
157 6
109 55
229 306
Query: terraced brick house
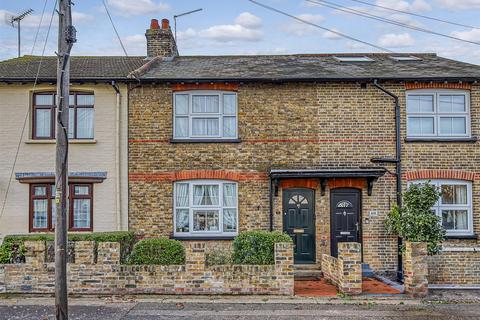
97 149
316 145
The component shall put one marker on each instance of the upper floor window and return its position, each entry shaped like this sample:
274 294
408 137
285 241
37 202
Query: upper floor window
43 207
438 114
80 116
205 208
205 115
454 206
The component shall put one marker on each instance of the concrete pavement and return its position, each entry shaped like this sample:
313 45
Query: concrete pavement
162 307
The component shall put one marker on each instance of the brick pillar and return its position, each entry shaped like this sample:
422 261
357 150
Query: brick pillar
350 267
415 269
195 257
284 266
3 289
108 253
85 252
35 252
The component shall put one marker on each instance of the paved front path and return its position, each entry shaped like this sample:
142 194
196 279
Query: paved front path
238 308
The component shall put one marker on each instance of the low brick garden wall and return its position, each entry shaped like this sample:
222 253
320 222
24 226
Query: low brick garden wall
98 271
346 270
455 266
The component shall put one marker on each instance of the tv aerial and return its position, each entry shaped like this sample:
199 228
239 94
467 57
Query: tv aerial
14 21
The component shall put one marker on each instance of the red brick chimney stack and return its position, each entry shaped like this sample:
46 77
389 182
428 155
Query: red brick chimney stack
160 41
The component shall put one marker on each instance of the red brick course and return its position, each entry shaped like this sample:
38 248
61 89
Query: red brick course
441 174
197 174
437 85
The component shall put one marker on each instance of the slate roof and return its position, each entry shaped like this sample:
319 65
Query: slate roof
299 67
82 68
306 67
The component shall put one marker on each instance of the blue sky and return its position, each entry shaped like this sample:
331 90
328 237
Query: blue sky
240 27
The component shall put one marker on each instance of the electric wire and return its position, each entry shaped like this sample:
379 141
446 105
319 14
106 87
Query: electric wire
382 19
320 27
28 111
416 14
114 28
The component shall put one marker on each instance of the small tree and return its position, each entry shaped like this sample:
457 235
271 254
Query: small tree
415 221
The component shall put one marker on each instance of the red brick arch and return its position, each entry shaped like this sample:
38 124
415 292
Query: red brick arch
440 174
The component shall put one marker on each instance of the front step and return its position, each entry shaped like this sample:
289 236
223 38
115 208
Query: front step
366 270
307 272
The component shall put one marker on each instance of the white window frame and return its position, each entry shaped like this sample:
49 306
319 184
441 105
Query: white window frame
191 208
192 115
437 115
438 207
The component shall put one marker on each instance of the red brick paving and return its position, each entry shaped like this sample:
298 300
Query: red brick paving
322 288
315 288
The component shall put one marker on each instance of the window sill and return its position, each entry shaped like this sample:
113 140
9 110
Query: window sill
53 141
200 238
442 140
205 140
462 237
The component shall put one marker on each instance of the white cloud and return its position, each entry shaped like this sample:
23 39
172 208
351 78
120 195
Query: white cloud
459 4
471 35
414 6
245 28
187 34
392 40
230 32
331 35
78 17
248 20
129 8
299 28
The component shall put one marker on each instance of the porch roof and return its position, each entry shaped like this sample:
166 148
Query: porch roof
369 173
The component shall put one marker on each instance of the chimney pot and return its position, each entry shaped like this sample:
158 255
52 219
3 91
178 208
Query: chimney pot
154 24
165 24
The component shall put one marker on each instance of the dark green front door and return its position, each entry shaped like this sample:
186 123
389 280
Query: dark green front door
299 223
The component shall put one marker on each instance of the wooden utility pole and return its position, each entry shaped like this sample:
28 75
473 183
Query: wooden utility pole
66 38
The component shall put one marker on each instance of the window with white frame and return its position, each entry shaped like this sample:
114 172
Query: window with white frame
454 206
205 115
438 114
205 208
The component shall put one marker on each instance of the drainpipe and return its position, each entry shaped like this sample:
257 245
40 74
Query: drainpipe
398 164
271 202
118 201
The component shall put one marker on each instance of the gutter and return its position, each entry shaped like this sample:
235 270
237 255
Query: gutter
398 166
132 78
118 201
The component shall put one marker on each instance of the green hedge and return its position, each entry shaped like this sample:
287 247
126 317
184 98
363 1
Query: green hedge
12 249
257 247
160 251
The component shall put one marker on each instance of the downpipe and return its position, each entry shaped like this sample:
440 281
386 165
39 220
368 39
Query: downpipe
118 203
398 167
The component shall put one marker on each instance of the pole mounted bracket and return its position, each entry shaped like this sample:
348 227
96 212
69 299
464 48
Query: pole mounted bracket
71 34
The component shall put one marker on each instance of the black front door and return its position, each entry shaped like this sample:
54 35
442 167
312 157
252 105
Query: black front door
299 223
345 217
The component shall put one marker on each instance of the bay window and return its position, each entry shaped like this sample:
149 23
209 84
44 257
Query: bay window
205 208
438 114
454 206
205 115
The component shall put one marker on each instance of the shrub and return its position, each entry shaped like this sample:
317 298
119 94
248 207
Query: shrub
12 249
257 247
218 257
161 251
415 221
